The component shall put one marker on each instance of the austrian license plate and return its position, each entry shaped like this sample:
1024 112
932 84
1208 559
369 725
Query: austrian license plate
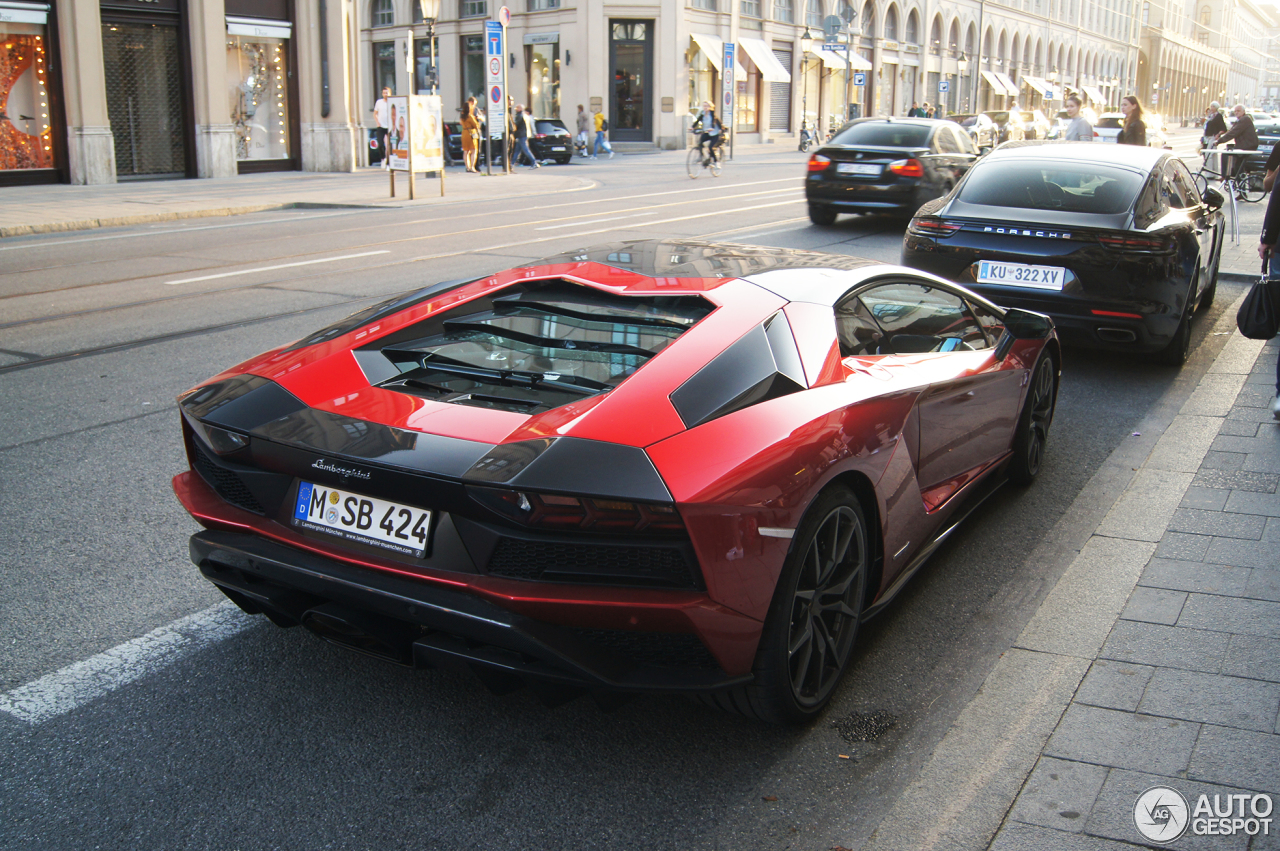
1021 275
859 169
363 519
561 148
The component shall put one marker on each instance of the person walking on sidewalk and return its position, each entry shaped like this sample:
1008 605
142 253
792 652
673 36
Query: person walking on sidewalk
1268 251
1134 131
524 129
602 127
584 132
1078 129
382 115
470 135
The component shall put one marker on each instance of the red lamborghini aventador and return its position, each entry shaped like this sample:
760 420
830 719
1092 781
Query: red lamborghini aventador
647 466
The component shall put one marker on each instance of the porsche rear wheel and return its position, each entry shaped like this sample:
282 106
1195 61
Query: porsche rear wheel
813 621
1033 425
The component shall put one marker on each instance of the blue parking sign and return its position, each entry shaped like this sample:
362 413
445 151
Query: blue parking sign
944 85
859 79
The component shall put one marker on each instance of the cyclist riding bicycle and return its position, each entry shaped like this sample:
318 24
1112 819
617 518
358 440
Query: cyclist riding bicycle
711 129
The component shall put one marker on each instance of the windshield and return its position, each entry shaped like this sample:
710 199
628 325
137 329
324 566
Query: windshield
997 117
1067 186
1110 123
884 134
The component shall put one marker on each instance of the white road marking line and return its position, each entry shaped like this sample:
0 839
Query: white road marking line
303 217
279 266
604 219
81 682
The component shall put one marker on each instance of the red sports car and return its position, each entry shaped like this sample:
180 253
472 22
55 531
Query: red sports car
647 466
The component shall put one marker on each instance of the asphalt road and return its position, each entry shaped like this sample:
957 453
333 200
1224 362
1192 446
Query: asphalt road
271 739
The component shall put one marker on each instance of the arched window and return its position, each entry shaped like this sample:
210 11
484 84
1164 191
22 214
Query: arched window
913 28
784 11
891 24
1206 16
813 13
953 38
935 36
384 13
868 22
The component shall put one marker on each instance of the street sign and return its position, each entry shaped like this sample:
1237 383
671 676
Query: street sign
495 103
860 79
726 107
944 85
504 16
1050 94
831 25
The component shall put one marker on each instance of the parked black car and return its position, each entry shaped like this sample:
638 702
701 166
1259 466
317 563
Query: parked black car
1121 251
1268 138
552 141
886 165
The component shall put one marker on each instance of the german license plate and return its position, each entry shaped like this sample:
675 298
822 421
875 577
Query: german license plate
1021 275
561 148
859 169
363 519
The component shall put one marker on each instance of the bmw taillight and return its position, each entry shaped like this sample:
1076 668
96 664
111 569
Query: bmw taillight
818 162
907 168
1139 244
922 226
579 513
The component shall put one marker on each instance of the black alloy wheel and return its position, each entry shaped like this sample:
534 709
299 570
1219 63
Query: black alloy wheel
813 621
1211 291
1032 436
1179 348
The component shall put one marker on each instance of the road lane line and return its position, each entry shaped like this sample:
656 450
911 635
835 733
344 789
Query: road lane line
598 219
81 682
279 266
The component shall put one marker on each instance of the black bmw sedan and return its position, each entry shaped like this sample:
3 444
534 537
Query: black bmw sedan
886 165
1120 251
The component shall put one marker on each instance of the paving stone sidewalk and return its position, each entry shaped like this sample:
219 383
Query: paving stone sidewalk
1185 690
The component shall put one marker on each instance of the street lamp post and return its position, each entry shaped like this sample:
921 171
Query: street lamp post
962 65
430 13
806 42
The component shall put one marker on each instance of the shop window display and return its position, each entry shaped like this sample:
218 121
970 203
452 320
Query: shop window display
25 137
543 62
257 69
701 80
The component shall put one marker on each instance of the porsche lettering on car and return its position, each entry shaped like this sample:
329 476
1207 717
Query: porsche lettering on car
654 466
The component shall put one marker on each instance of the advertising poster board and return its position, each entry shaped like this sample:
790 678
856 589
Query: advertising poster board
398 134
427 134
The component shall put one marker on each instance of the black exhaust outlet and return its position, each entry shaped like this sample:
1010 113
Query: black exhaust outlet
355 630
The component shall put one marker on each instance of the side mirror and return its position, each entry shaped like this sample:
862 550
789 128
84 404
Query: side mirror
1021 325
1213 199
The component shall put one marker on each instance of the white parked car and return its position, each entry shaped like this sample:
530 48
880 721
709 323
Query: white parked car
1107 128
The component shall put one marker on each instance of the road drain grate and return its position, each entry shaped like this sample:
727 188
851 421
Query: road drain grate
864 726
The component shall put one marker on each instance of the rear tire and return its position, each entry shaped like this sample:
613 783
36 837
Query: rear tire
1206 297
1032 436
1253 191
1175 354
812 625
824 216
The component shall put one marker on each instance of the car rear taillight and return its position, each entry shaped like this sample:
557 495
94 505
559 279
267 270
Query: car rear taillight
1140 244
907 168
579 513
818 162
539 135
931 227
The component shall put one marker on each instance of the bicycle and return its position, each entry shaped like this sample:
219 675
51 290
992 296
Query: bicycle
704 159
1245 185
808 138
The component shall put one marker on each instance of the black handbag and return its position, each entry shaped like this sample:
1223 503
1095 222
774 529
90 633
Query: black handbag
1259 315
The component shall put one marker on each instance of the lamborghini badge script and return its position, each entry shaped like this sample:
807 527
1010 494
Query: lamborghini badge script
351 472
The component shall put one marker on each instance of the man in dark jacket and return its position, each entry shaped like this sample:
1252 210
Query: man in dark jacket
1213 123
1244 134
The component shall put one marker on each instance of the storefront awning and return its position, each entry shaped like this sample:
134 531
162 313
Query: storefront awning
259 27
834 59
712 48
771 70
1009 88
1094 95
1036 83
994 82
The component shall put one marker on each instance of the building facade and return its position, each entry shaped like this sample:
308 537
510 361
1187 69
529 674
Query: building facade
95 91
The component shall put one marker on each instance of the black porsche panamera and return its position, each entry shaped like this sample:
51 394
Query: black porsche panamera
1120 252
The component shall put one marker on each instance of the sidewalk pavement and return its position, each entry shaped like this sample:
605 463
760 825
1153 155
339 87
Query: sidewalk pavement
61 207
1153 661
